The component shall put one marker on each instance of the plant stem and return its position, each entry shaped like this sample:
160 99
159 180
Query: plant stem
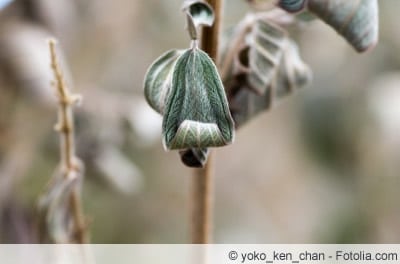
203 178
202 202
210 35
70 164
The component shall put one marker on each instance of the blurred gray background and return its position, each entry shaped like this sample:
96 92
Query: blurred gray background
321 167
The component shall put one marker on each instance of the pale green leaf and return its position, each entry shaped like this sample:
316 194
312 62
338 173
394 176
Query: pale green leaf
158 79
196 113
196 134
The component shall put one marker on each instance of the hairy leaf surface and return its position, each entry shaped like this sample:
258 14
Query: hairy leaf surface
196 112
158 79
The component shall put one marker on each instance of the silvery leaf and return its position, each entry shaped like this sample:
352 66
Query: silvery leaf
158 78
356 20
199 13
266 49
292 74
196 113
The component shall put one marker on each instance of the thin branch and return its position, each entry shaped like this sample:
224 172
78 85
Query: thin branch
210 35
70 165
202 202
203 178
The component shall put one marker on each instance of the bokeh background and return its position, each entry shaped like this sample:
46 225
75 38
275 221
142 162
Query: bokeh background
321 167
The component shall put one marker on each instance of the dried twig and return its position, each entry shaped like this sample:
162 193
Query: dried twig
71 167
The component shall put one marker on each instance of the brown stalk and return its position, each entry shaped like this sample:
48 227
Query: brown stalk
70 165
203 178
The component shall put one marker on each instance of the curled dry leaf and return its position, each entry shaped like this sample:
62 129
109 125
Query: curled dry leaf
266 67
292 73
265 54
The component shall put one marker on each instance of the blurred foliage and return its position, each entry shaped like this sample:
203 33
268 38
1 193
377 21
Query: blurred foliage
322 167
330 128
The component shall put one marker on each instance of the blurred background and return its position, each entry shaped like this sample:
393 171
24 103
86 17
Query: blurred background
321 167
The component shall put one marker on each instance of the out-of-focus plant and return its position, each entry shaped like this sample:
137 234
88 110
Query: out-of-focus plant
259 63
61 215
26 95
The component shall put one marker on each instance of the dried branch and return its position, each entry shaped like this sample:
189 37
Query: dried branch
71 169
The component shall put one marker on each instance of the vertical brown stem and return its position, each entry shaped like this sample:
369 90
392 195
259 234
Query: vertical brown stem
202 203
69 164
203 178
210 35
